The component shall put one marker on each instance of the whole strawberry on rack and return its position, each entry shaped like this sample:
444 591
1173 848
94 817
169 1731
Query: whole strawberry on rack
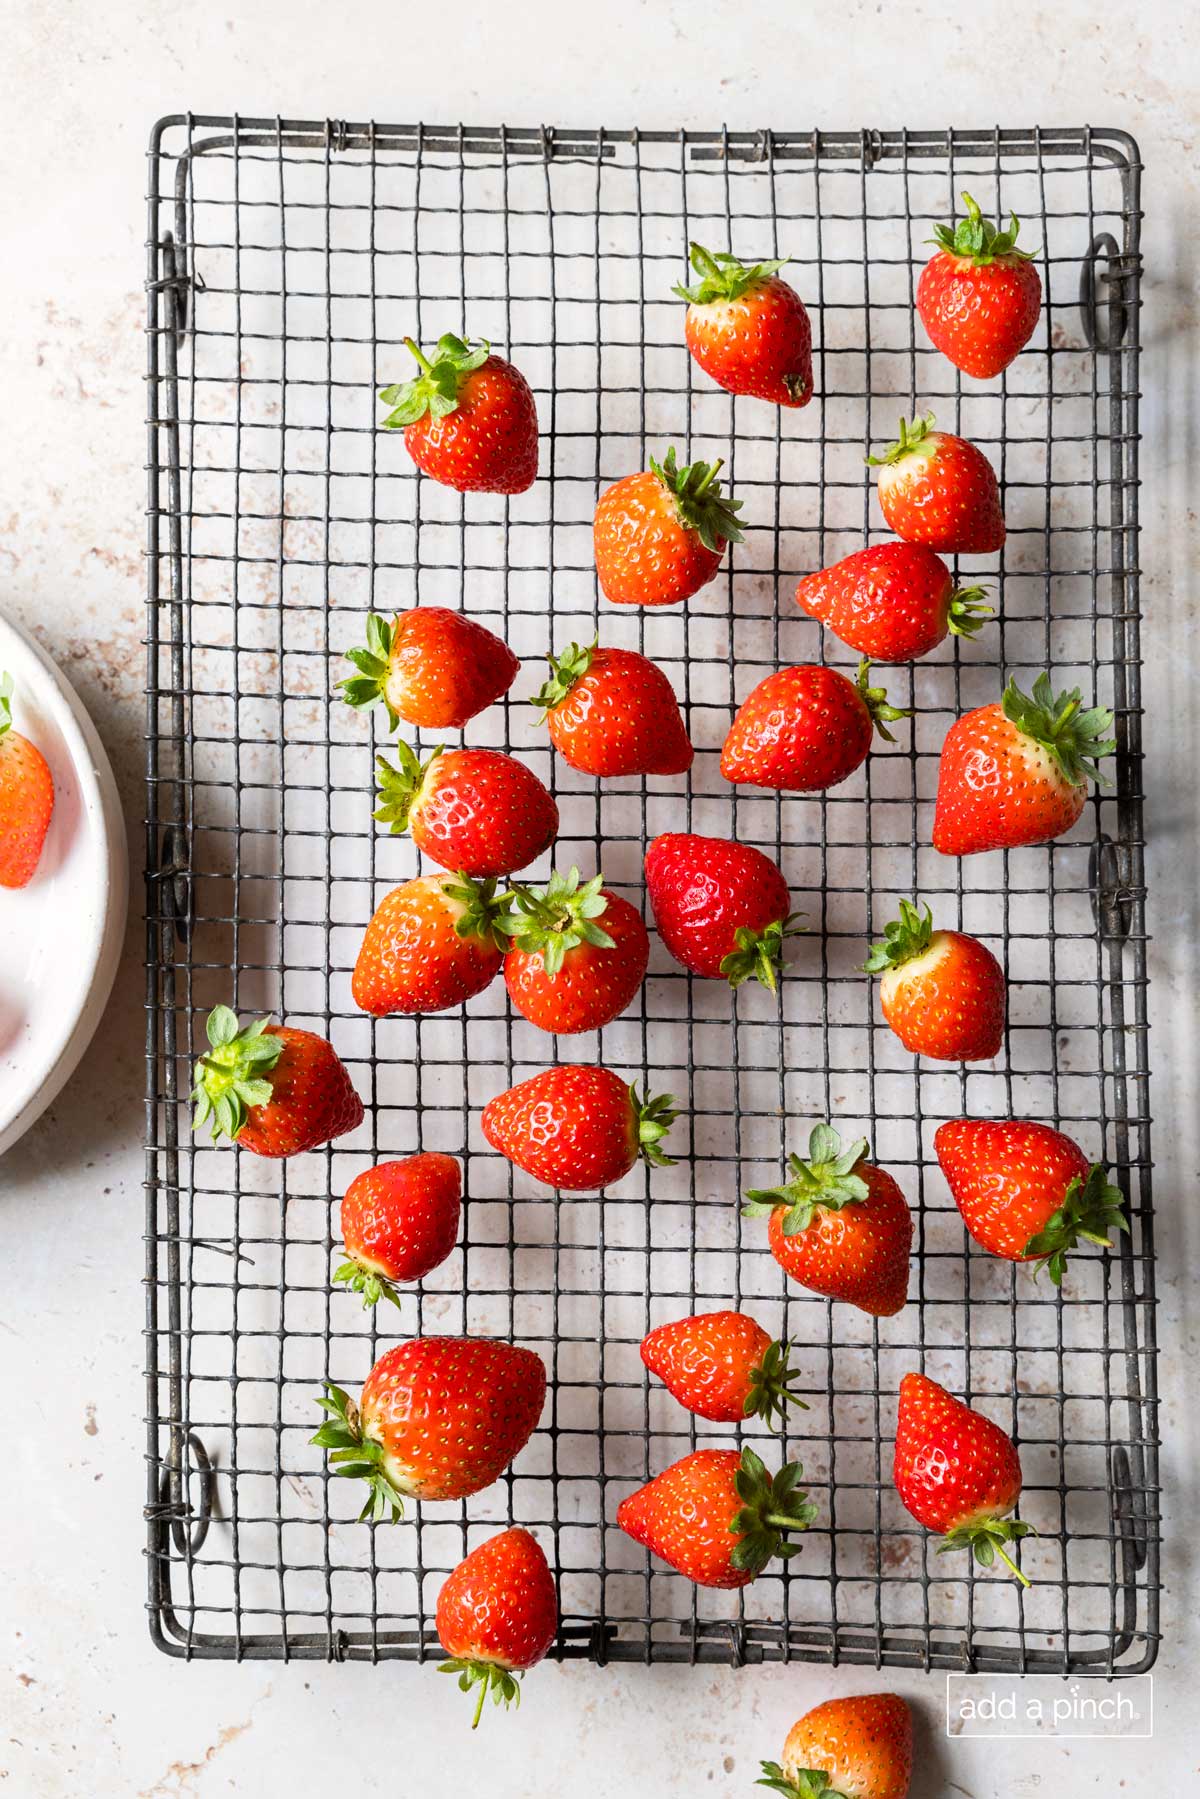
432 943
723 1366
722 909
659 536
957 1473
805 729
980 295
577 953
430 667
860 1745
481 812
613 712
497 1615
26 798
940 490
943 993
578 1127
748 329
718 1517
893 602
468 418
273 1089
399 1221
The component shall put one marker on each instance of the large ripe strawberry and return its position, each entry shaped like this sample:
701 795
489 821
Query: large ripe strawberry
892 602
957 1473
722 1366
613 712
721 908
578 954
942 992
577 1127
748 329
439 1418
1027 1192
1016 772
271 1088
431 944
468 418
804 729
718 1517
859 1747
399 1221
431 667
26 798
840 1226
979 296
659 536
480 812
497 1615
940 490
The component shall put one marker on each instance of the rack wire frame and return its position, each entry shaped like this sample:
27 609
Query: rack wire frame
286 261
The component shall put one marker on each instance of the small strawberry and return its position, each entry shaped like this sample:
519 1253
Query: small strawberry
942 992
613 712
721 908
497 1615
430 667
431 944
979 296
854 1748
957 1473
940 490
399 1222
26 798
892 602
577 1127
806 728
748 329
1027 1192
1016 772
578 955
722 1366
840 1226
468 418
478 811
659 536
717 1516
271 1088
439 1418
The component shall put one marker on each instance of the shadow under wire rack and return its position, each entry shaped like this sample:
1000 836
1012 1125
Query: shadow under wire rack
287 262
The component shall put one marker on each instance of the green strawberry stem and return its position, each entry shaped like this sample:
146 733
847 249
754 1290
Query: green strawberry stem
827 1181
550 921
968 611
424 362
771 1388
759 954
985 1538
976 239
565 670
911 437
1091 1209
699 503
357 1456
904 939
397 788
722 276
653 1118
1074 739
489 1677
371 661
368 1281
6 693
231 1077
435 389
771 1507
487 914
806 1783
875 700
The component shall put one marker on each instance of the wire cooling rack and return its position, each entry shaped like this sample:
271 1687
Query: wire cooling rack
287 261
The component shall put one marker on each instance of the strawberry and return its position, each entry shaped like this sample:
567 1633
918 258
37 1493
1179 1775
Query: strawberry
1016 772
1027 1192
942 992
721 908
940 490
717 1516
613 712
479 811
26 798
979 296
431 944
271 1088
840 1226
892 602
748 329
578 955
957 1473
806 728
430 667
399 1221
722 1366
659 536
439 1418
468 418
859 1747
577 1127
497 1615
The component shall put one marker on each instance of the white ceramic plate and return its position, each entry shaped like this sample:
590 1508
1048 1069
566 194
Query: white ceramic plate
60 937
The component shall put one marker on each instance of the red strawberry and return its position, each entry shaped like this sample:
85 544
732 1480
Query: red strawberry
722 1366
806 728
659 537
942 992
717 1516
468 418
613 712
432 943
1027 1192
576 1127
957 1473
721 908
440 1418
1016 772
430 667
940 490
399 1221
748 329
892 601
26 798
497 1614
272 1089
578 954
860 1746
478 811
979 296
840 1226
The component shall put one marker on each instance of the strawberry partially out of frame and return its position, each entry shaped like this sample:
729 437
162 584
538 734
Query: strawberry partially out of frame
857 1747
26 798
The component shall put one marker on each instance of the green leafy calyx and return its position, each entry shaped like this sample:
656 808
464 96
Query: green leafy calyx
805 1783
372 1285
722 276
699 502
371 661
977 239
1090 1210
654 1117
827 1181
911 437
771 1387
359 1457
771 1505
759 954
435 389
875 700
985 1538
489 1677
6 693
565 670
397 788
551 920
485 912
231 1076
904 938
969 611
1075 739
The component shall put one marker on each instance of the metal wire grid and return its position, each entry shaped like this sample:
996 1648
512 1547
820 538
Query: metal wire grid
287 260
